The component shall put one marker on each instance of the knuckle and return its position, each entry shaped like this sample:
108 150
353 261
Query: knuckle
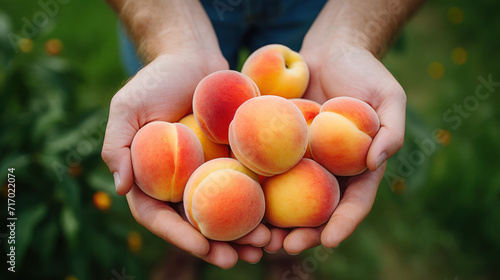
105 154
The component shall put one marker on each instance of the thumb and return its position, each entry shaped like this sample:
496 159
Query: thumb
389 139
116 151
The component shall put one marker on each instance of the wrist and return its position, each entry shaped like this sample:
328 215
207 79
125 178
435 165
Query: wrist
174 41
205 60
366 25
166 27
343 36
340 46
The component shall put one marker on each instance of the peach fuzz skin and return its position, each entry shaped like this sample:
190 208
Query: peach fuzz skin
223 200
278 70
216 99
164 155
304 196
310 109
211 150
261 177
341 135
268 135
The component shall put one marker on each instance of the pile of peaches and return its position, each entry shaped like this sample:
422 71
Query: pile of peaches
254 151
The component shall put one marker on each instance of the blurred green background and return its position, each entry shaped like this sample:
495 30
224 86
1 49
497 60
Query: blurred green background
436 215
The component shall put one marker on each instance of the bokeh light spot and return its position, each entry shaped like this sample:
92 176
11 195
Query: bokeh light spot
25 45
102 200
459 56
443 137
134 242
455 15
436 70
399 186
53 46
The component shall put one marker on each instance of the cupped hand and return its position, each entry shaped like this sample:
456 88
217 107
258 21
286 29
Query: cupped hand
342 70
163 90
169 222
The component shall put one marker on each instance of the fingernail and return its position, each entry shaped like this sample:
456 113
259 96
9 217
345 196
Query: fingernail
255 262
269 252
116 177
381 159
196 255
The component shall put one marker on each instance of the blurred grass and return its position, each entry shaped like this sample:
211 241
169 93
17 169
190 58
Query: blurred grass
438 220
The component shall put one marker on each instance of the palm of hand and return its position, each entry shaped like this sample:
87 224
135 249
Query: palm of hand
360 75
163 91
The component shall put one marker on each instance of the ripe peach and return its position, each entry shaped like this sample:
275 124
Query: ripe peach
278 70
216 99
261 178
304 196
268 135
341 135
211 150
223 200
163 157
310 109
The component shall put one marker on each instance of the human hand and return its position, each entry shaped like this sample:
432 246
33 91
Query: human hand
163 90
341 70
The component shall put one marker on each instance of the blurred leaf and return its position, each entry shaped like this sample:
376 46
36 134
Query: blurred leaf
79 265
47 122
70 193
46 238
76 142
53 73
102 181
70 226
26 224
101 246
7 50
18 161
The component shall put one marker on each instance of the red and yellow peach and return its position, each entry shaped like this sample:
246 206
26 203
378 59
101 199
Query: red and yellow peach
216 99
310 109
278 70
268 135
164 155
304 196
223 200
341 134
211 150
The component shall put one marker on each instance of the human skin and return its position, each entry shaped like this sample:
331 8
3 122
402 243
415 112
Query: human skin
349 65
177 43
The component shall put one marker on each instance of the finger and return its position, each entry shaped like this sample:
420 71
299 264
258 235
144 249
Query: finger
301 239
249 254
278 236
120 165
353 207
160 219
116 148
221 254
390 137
258 237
